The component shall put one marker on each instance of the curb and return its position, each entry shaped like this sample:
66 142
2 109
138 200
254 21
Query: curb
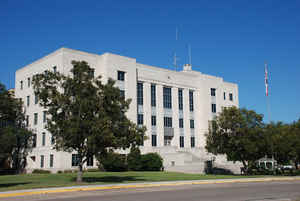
138 185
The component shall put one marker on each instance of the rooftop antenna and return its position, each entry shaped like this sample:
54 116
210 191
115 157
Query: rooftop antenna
175 56
190 54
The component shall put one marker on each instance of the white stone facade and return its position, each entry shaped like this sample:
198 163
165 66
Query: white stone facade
177 156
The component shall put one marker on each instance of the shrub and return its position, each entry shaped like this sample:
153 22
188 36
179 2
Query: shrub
134 159
40 171
151 162
113 162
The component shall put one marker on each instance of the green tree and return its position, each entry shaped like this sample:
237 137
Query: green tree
87 116
15 137
238 134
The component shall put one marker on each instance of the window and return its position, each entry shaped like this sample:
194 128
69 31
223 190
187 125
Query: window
224 96
75 160
54 69
91 73
153 95
140 119
213 92
140 93
122 94
35 121
90 161
180 99
43 139
28 82
51 160
231 97
192 141
34 140
121 75
28 101
42 161
192 123
27 120
167 97
52 140
191 97
168 122
180 123
213 108
154 140
21 85
181 141
36 99
44 116
153 120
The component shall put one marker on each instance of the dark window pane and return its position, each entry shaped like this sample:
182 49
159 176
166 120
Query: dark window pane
121 75
167 97
180 99
213 92
191 99
153 95
140 93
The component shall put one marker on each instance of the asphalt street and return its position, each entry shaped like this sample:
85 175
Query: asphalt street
254 191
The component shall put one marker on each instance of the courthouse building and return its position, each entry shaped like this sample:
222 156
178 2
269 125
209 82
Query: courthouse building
175 106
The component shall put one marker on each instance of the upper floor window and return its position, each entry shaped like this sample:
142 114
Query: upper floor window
21 85
168 122
153 120
167 97
28 82
140 119
122 94
121 75
28 101
153 95
35 121
43 139
180 99
213 92
191 98
140 93
36 99
231 97
54 69
192 123
34 140
44 116
180 123
213 108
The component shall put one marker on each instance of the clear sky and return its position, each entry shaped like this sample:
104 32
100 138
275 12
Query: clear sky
230 39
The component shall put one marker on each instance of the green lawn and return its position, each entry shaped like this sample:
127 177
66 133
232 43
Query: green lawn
30 181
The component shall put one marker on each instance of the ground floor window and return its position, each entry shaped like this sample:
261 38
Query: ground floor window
51 160
181 141
90 161
75 160
42 161
193 141
154 140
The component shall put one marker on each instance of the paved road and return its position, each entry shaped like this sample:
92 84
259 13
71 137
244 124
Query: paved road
260 191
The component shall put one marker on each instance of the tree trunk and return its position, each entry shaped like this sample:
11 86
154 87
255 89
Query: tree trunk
79 173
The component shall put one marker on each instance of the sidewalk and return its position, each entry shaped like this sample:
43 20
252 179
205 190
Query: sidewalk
139 185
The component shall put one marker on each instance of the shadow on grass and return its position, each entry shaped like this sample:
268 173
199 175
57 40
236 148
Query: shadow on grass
13 184
109 179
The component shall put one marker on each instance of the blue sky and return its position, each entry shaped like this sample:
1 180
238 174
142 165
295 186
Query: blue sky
231 39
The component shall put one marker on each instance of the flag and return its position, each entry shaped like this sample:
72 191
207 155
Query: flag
266 80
